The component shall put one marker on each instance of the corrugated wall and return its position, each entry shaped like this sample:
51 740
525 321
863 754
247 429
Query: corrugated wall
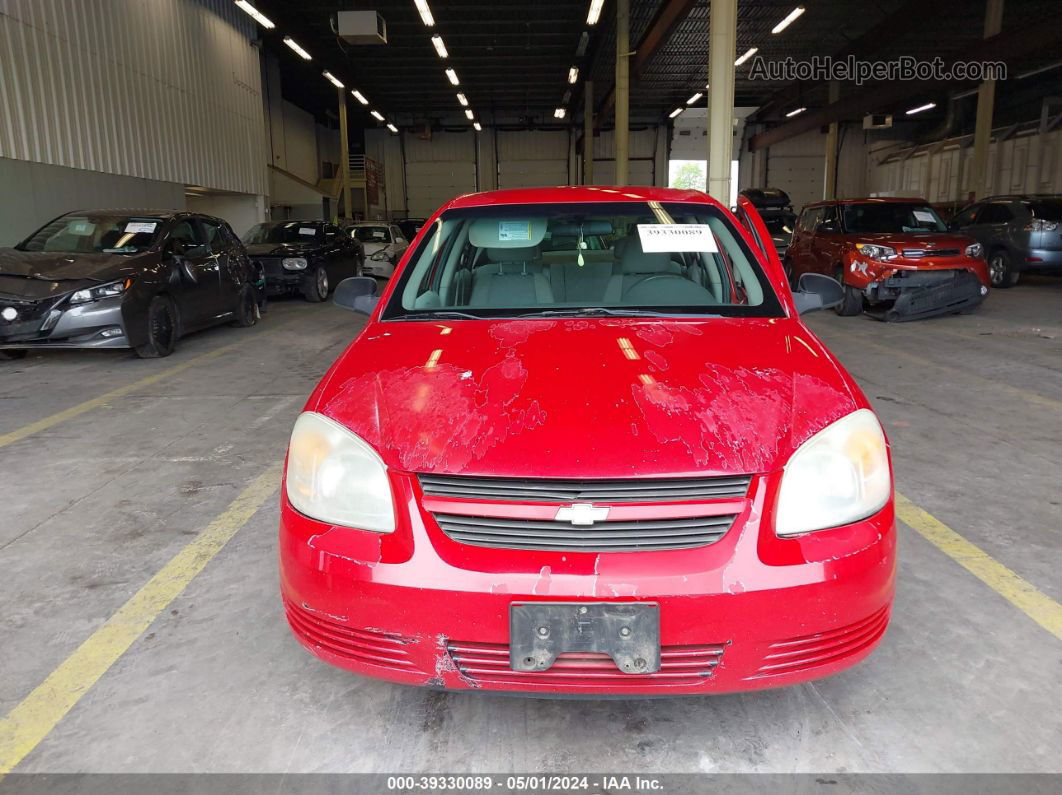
167 90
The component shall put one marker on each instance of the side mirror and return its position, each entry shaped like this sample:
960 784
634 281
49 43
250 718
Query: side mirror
358 294
815 291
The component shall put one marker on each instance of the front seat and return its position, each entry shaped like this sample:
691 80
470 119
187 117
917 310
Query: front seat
511 278
650 278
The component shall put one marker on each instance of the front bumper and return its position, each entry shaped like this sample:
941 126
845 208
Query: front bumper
383 268
97 324
915 295
750 611
278 280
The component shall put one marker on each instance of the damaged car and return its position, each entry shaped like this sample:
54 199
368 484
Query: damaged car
614 476
895 257
137 279
303 257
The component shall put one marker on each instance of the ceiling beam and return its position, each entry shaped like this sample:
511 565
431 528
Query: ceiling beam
668 17
1044 36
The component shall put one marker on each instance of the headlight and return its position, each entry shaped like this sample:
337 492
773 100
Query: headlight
335 477
875 251
975 250
379 256
838 476
103 291
294 263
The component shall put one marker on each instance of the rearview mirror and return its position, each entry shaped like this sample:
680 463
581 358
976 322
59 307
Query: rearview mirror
358 294
815 291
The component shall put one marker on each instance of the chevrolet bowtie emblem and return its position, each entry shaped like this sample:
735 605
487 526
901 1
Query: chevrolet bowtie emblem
581 513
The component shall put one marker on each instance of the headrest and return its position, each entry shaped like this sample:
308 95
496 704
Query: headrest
507 232
634 260
507 255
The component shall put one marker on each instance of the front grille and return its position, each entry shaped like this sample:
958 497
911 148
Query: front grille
647 534
679 665
810 651
385 649
607 491
918 253
271 265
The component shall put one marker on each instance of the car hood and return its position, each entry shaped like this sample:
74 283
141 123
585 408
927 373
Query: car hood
281 249
40 274
372 248
926 240
587 398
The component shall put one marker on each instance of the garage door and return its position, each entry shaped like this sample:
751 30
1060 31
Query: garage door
530 158
439 169
639 172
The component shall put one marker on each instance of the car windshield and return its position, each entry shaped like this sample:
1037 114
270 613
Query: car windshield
372 234
877 217
1047 209
628 258
287 232
779 224
92 233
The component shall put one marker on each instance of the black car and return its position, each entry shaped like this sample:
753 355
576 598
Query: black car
776 210
136 279
410 227
306 257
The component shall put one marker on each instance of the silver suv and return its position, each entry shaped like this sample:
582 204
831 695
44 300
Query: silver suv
1019 233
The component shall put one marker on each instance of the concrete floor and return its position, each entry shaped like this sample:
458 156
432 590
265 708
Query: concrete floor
95 505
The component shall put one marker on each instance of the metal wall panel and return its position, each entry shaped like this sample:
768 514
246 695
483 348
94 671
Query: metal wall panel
439 169
166 90
532 158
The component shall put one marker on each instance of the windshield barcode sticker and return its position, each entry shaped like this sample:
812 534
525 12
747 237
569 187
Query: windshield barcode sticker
140 227
674 238
514 230
307 230
924 215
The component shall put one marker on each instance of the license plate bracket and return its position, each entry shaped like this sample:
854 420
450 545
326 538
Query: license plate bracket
628 632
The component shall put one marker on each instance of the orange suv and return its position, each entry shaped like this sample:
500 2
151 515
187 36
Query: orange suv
895 257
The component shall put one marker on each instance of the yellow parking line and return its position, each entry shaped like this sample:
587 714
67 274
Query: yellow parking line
1025 596
23 728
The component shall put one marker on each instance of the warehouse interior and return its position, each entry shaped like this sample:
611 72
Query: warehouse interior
144 632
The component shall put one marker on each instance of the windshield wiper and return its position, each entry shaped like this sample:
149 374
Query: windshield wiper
594 311
442 314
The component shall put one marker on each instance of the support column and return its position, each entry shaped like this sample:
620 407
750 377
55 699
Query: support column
986 101
588 132
344 154
623 90
829 187
722 44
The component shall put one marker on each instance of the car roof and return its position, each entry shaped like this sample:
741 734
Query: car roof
131 211
869 200
579 193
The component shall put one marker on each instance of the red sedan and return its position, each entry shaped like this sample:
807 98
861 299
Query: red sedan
585 445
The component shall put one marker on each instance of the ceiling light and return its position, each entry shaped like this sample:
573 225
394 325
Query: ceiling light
594 14
478 127
921 108
559 113
298 50
359 97
675 113
462 99
584 40
573 74
259 17
795 112
451 75
376 115
748 54
425 12
694 98
470 114
392 128
789 20
332 79
439 46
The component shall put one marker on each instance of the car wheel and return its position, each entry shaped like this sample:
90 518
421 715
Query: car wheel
12 355
315 290
1001 270
161 329
852 304
247 310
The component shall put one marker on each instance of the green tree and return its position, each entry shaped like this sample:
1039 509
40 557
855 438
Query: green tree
690 176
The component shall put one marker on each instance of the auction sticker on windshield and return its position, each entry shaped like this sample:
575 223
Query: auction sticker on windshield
668 238
138 227
514 230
